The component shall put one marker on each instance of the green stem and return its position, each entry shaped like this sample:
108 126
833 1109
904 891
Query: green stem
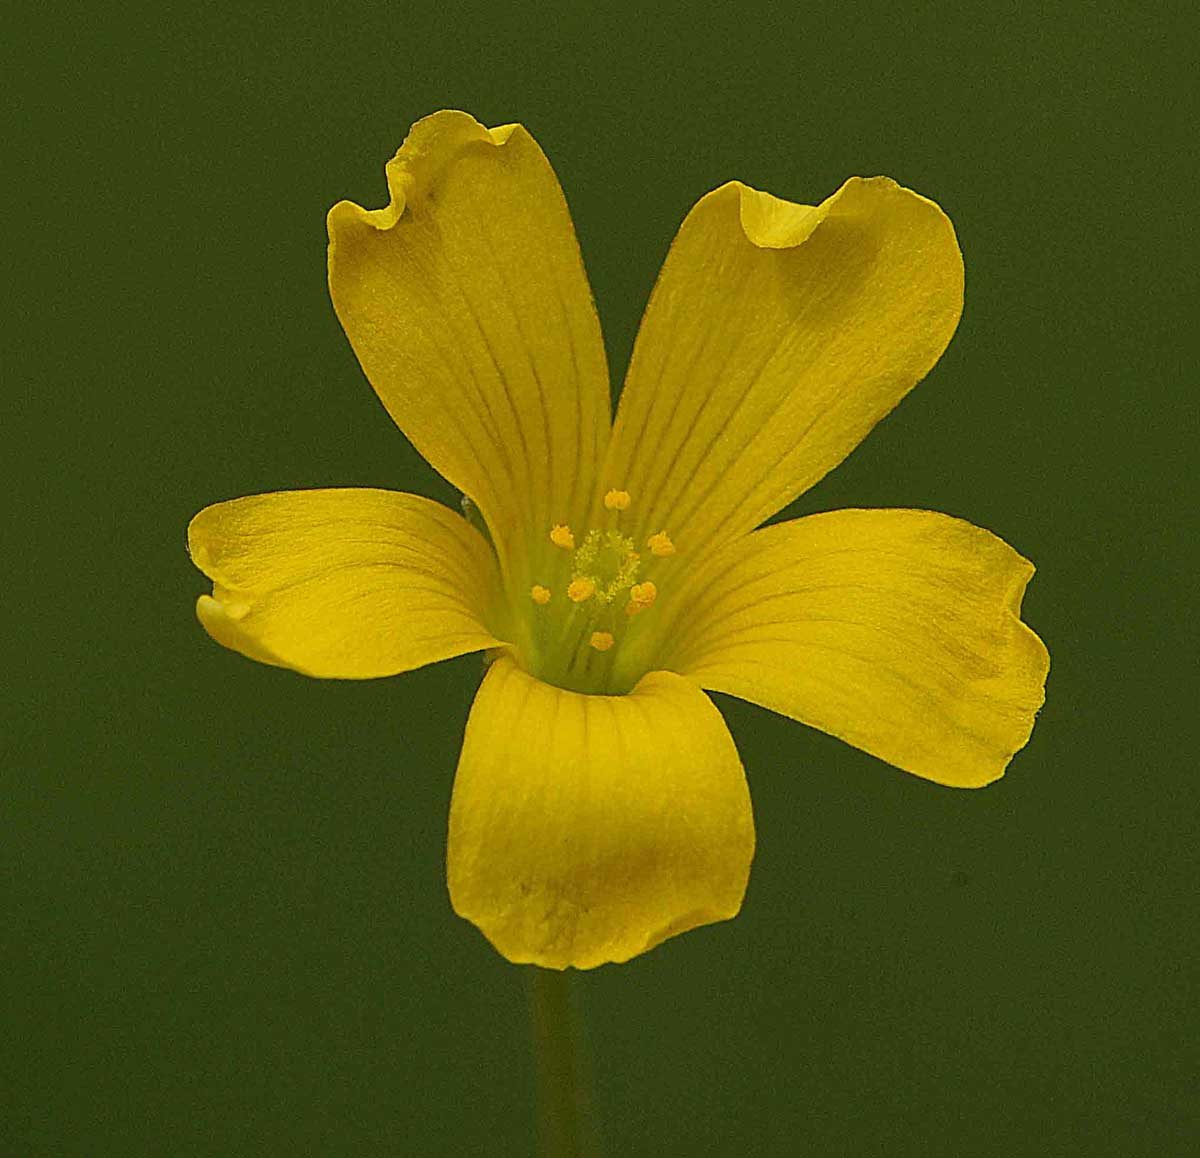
565 1123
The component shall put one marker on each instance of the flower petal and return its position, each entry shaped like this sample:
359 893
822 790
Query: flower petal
587 829
777 336
897 631
343 584
467 304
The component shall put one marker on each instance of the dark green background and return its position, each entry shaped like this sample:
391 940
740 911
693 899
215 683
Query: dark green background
226 917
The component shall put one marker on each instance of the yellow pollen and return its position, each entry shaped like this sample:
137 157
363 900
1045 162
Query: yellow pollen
617 500
643 593
539 594
580 589
560 536
660 544
601 640
632 608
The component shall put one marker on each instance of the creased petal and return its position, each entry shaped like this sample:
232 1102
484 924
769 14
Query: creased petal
587 829
897 630
344 584
777 336
467 304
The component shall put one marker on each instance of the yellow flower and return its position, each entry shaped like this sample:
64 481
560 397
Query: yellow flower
599 805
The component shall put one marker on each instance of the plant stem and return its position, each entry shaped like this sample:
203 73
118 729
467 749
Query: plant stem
566 1129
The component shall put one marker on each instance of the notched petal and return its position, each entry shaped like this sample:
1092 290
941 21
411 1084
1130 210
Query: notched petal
344 584
588 829
777 335
898 631
467 305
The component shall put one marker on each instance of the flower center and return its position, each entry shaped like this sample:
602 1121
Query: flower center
585 608
604 567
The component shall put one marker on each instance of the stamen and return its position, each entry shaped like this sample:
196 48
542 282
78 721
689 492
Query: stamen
580 589
660 544
597 581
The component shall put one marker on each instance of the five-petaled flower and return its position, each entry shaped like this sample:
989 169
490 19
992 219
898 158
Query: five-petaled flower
613 570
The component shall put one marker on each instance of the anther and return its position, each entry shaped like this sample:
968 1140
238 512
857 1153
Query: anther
580 589
539 594
643 593
560 536
601 640
641 597
617 500
660 544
